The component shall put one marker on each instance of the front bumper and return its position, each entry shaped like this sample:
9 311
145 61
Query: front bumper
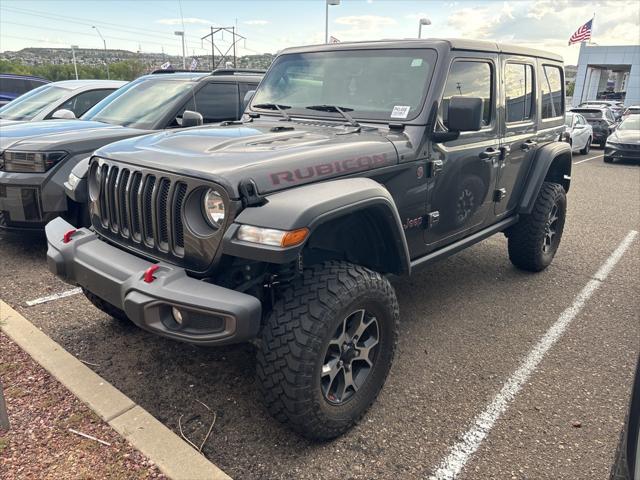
212 315
622 151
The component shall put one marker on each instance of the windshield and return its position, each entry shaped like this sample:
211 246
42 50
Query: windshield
27 106
368 84
631 123
140 104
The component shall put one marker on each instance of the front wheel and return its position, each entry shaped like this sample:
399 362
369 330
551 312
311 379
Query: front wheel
327 348
534 240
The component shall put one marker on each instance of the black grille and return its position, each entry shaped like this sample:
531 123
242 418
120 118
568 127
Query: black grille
143 208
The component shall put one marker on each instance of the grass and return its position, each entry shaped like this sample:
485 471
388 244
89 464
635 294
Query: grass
4 443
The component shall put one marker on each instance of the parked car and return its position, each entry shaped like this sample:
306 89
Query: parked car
624 143
632 110
579 132
617 107
37 157
65 99
12 86
601 120
353 162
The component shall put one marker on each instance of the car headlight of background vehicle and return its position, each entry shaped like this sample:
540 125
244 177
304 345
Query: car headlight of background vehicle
30 162
214 209
612 144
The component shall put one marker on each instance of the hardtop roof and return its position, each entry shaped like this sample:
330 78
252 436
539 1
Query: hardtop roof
449 43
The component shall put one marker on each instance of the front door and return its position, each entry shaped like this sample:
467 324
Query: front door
518 142
460 192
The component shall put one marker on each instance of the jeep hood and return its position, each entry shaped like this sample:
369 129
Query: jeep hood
275 155
74 136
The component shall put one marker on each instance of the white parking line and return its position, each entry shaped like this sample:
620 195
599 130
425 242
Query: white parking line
461 452
587 159
55 296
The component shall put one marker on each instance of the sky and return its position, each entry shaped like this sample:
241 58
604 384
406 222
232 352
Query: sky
271 25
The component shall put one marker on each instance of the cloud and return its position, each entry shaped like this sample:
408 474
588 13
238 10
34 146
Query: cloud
417 16
480 22
178 21
256 22
365 21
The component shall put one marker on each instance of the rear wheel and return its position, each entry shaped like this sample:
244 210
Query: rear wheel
586 148
327 348
534 240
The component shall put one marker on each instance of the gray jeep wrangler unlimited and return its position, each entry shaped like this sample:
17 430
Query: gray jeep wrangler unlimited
353 163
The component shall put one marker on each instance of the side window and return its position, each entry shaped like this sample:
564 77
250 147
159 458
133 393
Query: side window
469 79
244 88
552 97
84 101
216 102
518 79
610 116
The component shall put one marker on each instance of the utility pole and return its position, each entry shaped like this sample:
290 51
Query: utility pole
326 18
184 58
104 42
236 37
73 54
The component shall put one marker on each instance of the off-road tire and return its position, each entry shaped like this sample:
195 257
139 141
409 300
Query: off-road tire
526 238
296 336
587 147
106 307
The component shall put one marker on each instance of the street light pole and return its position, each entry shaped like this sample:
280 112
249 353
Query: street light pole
73 54
184 61
326 18
423 21
104 42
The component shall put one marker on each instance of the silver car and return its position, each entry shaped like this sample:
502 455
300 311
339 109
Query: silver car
65 99
578 132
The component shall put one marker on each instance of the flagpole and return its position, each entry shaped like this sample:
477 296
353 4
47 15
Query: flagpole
592 24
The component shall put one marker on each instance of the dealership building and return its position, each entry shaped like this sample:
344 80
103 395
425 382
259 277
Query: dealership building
613 69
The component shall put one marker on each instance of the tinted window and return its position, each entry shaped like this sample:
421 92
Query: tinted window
551 86
244 88
84 101
469 79
18 86
518 79
568 119
216 102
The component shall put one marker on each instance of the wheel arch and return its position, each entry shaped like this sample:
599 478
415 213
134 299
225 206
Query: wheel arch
552 163
350 219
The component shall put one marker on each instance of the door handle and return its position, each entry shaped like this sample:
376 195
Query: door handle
528 145
489 154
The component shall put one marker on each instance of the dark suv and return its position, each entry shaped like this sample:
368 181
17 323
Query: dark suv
354 162
601 119
36 158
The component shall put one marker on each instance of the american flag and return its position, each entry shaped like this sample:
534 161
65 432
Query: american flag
582 34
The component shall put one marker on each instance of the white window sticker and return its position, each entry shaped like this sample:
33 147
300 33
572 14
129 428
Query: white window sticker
416 62
400 111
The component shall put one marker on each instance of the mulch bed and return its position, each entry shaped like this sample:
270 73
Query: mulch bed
39 444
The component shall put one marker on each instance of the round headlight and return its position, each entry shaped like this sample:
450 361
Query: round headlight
214 208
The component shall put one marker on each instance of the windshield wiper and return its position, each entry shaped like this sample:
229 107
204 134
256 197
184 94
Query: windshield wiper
275 106
334 108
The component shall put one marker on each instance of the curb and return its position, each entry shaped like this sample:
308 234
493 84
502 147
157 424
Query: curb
169 452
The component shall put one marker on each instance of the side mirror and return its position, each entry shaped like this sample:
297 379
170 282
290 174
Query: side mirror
247 99
191 119
63 113
465 114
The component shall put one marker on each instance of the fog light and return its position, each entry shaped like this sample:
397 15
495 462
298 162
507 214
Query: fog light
177 315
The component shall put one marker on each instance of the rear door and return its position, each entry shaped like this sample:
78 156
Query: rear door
518 130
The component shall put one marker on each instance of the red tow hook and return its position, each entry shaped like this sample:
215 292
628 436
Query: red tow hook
148 273
66 238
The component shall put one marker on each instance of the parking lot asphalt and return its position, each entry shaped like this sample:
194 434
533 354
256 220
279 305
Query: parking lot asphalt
467 323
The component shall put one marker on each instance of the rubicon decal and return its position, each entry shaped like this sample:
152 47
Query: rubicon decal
328 169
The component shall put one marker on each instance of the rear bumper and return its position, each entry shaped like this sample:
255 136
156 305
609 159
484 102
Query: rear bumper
212 315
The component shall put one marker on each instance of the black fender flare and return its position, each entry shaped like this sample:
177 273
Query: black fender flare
552 161
313 205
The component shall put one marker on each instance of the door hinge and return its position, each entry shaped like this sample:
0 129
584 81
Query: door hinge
435 167
499 194
433 218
